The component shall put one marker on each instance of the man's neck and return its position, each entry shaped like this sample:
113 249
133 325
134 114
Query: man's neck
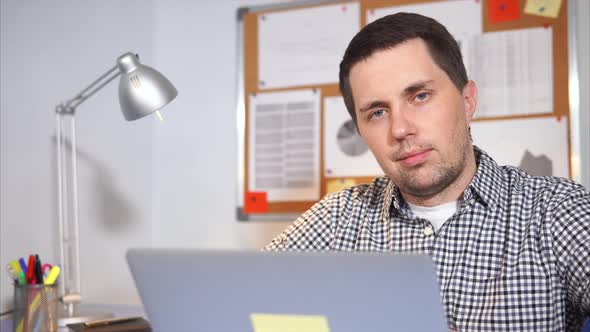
452 192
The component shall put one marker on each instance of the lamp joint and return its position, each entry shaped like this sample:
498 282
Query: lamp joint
64 109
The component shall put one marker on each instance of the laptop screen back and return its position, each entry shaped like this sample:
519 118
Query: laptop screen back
196 290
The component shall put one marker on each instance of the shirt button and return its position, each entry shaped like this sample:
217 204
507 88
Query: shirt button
428 231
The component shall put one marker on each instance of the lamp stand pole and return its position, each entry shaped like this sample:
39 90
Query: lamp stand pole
142 91
67 186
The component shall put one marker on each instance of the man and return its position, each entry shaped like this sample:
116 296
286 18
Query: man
512 251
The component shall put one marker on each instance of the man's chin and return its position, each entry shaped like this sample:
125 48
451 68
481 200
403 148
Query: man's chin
422 190
425 185
421 185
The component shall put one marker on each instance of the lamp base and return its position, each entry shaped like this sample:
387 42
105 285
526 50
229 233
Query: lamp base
79 315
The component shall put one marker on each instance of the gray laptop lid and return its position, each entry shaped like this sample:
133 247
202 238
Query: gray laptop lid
196 290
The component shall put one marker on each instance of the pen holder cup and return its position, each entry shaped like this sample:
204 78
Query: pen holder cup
35 308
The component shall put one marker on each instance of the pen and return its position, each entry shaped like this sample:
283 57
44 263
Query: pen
12 272
23 265
21 278
45 269
38 270
33 293
52 276
31 270
50 280
110 321
32 309
15 266
38 323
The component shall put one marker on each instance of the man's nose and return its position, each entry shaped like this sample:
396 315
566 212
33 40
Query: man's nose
402 124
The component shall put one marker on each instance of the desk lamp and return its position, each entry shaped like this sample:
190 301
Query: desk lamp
142 91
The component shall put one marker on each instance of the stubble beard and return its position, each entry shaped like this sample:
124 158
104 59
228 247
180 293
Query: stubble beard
441 176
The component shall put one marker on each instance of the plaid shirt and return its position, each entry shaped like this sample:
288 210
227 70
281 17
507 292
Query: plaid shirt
515 257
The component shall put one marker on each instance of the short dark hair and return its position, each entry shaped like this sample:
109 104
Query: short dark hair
389 31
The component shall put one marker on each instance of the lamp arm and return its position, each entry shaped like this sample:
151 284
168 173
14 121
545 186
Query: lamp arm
70 105
67 181
134 104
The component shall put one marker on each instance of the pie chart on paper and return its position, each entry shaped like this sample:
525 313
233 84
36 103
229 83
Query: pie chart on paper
349 141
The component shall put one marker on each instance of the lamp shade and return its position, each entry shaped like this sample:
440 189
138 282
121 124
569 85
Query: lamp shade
142 90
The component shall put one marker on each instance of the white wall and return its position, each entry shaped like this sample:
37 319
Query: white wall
141 183
196 147
49 52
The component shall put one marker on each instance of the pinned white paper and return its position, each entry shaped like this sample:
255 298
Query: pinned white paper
305 46
283 149
513 72
538 145
345 152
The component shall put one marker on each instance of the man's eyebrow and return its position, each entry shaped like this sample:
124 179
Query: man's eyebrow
374 104
415 87
409 90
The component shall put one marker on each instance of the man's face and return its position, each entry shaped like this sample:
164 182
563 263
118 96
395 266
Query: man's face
412 117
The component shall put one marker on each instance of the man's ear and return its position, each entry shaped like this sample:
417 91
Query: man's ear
469 100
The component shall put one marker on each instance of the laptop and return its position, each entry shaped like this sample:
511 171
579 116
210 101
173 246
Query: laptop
202 290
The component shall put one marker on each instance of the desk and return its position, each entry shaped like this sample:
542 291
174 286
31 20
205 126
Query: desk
119 310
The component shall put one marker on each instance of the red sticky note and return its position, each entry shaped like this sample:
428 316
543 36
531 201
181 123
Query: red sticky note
255 202
503 10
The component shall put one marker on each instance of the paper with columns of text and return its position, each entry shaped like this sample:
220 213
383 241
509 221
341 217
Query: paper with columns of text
513 72
284 145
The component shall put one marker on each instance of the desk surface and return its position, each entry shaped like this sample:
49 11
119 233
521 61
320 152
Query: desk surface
119 310
122 310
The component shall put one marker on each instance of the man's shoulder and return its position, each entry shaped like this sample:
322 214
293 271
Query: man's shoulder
315 229
550 188
356 200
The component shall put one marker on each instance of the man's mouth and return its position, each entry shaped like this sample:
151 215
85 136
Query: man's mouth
413 158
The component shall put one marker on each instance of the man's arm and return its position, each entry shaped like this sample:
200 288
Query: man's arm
571 246
314 230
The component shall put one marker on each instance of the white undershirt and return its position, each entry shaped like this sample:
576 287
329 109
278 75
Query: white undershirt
437 215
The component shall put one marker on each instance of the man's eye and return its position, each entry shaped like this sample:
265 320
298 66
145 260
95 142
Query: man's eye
376 114
422 96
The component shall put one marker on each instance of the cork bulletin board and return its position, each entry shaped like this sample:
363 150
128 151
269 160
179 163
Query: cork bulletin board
296 143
